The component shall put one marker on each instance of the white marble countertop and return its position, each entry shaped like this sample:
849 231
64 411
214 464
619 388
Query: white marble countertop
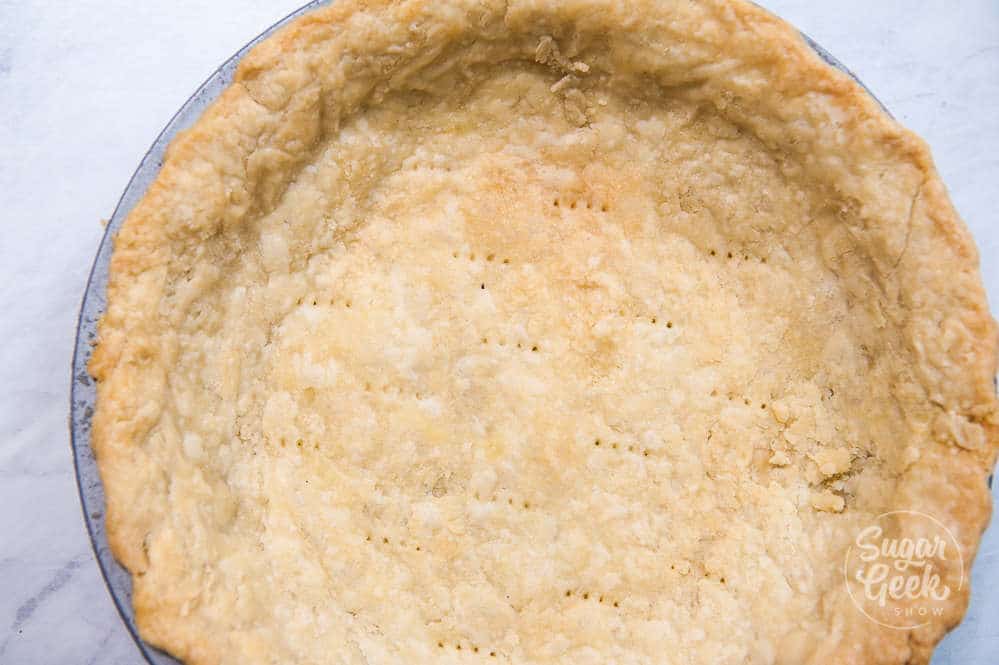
86 86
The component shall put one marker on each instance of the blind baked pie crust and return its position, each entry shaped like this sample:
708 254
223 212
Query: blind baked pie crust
538 332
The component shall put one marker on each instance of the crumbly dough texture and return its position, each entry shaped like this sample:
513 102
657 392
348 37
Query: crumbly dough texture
537 332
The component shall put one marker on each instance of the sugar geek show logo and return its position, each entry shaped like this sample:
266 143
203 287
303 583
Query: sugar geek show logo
895 569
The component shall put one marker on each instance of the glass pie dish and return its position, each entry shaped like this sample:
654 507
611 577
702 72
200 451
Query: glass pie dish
83 389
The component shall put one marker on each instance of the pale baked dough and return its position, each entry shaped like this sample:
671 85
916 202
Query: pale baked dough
537 332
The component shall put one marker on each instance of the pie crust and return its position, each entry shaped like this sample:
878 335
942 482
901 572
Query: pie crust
538 332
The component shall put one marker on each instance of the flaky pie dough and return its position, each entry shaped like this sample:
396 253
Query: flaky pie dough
537 332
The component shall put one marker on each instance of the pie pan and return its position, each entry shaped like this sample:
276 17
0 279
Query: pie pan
83 390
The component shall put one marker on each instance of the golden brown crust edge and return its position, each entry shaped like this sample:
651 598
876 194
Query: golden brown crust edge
280 107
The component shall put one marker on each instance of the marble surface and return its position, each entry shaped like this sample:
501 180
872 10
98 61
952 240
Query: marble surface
86 86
